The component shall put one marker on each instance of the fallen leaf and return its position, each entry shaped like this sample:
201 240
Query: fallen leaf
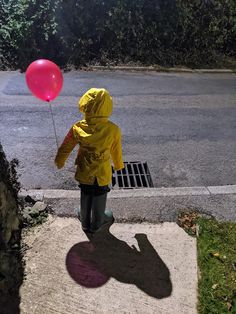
229 306
215 286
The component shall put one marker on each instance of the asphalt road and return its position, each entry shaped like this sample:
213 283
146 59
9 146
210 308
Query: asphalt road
183 125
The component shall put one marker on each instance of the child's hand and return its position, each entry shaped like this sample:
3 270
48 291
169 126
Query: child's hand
59 165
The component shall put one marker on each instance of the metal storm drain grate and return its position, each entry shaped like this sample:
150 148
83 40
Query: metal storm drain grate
135 175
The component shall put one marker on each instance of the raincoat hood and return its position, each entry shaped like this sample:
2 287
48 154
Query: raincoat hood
96 103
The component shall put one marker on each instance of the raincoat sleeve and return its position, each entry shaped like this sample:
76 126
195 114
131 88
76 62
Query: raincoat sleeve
116 152
65 149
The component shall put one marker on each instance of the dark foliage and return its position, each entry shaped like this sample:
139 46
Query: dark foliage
77 32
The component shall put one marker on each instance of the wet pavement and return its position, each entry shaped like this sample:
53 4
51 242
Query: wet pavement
183 125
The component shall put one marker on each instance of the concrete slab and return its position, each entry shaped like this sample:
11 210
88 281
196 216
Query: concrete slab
223 189
134 268
151 192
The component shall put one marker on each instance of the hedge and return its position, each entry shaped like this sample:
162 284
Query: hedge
79 32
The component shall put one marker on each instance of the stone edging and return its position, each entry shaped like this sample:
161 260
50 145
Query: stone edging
157 69
149 192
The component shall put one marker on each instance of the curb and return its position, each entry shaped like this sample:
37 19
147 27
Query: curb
135 193
157 69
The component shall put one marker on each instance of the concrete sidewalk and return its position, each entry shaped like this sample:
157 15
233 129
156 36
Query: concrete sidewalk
134 268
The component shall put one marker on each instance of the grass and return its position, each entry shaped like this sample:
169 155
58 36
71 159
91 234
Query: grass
216 244
217 265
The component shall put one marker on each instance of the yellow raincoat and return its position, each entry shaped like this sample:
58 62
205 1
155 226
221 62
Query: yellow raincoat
98 138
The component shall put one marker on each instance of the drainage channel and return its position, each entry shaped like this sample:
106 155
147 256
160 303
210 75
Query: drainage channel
134 175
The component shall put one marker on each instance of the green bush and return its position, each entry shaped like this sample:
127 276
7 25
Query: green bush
206 30
40 41
117 31
27 29
78 32
193 33
13 28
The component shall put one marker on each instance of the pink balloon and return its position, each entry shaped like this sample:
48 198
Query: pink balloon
44 79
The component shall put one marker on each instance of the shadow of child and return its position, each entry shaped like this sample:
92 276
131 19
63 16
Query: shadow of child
92 264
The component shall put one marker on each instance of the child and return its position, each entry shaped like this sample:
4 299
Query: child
99 141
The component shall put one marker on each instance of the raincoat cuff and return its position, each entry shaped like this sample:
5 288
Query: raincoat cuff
118 167
59 165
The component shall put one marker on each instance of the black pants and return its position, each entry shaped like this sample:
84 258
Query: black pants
94 189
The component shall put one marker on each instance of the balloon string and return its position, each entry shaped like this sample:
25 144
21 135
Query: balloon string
54 125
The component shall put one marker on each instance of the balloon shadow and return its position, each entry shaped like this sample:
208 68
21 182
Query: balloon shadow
92 263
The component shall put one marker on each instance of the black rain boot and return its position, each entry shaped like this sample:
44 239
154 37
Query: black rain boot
99 216
85 211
